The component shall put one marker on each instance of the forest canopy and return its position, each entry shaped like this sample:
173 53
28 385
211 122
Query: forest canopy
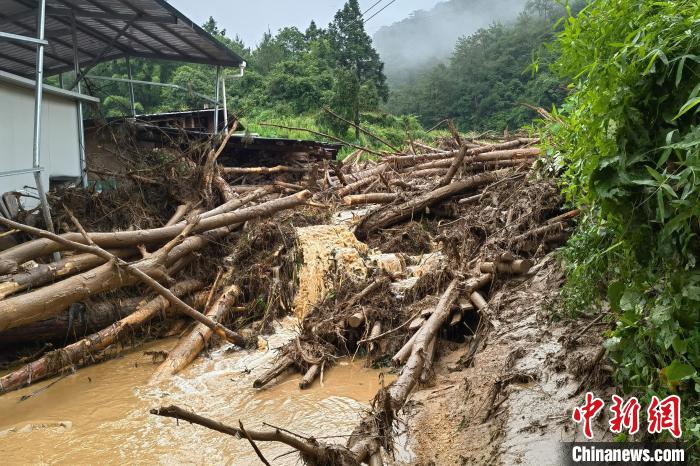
493 77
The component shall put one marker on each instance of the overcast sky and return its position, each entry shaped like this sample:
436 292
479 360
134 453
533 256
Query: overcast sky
250 19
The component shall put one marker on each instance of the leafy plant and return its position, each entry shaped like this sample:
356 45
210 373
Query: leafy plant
628 143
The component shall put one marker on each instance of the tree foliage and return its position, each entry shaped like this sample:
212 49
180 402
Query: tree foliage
628 142
490 76
291 72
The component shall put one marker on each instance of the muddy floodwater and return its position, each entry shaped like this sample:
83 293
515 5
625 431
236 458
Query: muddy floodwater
100 414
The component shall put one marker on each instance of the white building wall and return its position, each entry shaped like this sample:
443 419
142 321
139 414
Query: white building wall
60 155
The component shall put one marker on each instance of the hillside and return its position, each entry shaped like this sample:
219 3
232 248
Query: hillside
429 36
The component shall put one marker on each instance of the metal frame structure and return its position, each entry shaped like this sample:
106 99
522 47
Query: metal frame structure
148 30
106 30
219 88
36 169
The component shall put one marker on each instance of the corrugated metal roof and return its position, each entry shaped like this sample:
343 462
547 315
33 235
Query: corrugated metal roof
30 84
106 30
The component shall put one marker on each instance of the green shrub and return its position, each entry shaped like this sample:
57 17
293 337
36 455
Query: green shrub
628 142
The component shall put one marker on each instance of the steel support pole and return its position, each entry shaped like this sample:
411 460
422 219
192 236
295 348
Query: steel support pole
223 92
132 96
38 101
216 99
79 90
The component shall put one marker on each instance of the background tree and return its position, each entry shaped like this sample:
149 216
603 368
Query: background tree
353 52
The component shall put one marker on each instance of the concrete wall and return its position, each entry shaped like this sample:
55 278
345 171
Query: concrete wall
60 154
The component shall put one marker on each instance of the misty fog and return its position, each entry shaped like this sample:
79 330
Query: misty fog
426 37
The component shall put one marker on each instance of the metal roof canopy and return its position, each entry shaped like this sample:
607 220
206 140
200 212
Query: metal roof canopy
105 30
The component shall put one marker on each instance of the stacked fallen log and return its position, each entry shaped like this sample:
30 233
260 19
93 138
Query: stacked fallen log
51 301
473 202
518 217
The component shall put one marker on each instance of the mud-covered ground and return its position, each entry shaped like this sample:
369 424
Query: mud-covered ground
513 404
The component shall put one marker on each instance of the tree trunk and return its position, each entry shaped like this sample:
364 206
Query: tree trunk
189 347
95 317
516 267
278 369
456 163
310 376
370 198
401 388
46 273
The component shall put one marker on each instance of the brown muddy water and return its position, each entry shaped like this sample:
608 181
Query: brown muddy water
100 414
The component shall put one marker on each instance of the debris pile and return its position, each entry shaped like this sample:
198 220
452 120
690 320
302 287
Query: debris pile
383 258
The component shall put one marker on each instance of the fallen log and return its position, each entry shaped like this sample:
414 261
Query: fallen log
366 173
11 258
280 366
228 171
390 215
178 215
478 300
236 203
509 156
456 163
357 185
505 155
370 198
52 299
310 376
484 166
42 274
409 160
412 371
402 355
428 172
376 331
416 323
153 262
545 230
565 216
356 320
516 267
79 353
428 363
456 318
471 199
86 319
189 347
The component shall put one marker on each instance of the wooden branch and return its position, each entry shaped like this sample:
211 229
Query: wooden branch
456 163
314 450
374 136
252 444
